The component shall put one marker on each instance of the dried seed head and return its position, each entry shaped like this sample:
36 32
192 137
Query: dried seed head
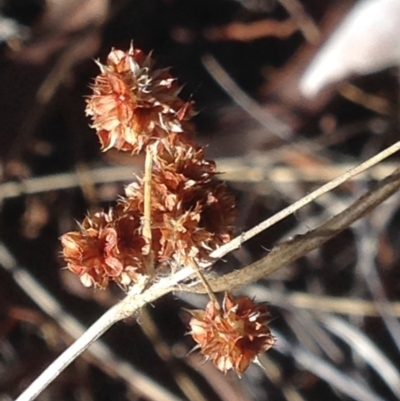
191 213
134 104
201 220
232 338
107 248
178 155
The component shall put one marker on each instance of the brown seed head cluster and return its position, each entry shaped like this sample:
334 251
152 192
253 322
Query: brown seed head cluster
134 104
107 248
135 107
232 338
192 212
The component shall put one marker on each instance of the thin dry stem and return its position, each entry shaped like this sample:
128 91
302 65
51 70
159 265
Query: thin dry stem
238 241
305 22
320 303
124 309
205 284
112 316
266 119
99 351
148 166
148 169
182 379
275 374
291 250
235 170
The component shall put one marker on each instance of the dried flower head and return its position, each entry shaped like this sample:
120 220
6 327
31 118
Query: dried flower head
233 337
178 155
201 220
107 248
134 104
189 218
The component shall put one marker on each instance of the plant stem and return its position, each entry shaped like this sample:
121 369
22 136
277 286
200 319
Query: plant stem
238 241
112 316
205 284
124 309
291 250
146 230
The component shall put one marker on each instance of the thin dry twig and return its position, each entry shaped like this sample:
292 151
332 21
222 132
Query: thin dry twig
238 241
367 349
367 267
235 170
182 379
291 250
306 24
148 166
138 381
124 309
355 337
205 283
255 30
266 119
325 371
275 374
146 230
320 303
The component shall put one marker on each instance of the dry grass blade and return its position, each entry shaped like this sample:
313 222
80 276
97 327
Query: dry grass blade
327 372
366 349
288 251
320 303
237 242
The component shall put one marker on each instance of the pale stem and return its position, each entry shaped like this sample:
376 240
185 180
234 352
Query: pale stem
146 230
205 283
293 249
124 309
112 316
238 241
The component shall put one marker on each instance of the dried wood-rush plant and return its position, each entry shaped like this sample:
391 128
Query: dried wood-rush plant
177 219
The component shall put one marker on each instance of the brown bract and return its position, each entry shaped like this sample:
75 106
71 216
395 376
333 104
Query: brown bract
107 248
133 104
232 338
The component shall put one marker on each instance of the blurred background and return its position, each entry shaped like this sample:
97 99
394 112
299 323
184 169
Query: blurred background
279 123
